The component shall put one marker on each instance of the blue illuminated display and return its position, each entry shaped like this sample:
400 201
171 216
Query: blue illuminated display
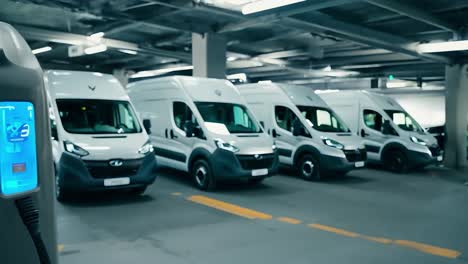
18 161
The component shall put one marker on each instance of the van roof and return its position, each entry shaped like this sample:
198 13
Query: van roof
379 100
197 88
299 95
83 85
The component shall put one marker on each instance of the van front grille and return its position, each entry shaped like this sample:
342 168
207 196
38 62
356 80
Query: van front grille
435 151
101 169
251 162
355 155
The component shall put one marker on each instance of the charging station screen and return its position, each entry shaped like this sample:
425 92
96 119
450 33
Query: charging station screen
18 161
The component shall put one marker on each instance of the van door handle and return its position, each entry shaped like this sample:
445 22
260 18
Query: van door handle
173 134
165 132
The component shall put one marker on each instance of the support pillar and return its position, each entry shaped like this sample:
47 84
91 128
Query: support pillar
209 55
121 76
456 78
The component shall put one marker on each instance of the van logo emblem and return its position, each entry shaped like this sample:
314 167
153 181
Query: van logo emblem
218 92
258 157
116 163
92 88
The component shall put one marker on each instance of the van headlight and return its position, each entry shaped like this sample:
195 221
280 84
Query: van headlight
146 148
418 141
225 145
74 149
274 147
332 143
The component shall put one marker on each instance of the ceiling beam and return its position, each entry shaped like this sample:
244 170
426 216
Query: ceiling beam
304 7
415 13
76 39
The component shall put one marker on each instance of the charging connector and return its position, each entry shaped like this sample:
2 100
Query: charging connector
30 216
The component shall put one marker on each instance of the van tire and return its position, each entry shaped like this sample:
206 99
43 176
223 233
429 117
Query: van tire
202 175
60 194
395 161
138 190
309 168
256 181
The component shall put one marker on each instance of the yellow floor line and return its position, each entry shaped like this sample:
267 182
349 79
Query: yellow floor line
289 220
438 251
334 230
229 208
381 240
176 193
60 248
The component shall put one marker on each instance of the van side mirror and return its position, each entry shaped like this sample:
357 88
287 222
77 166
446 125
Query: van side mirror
297 128
54 133
147 125
189 129
386 128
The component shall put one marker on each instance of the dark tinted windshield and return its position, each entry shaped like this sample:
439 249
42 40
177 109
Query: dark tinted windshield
85 116
323 119
235 117
404 121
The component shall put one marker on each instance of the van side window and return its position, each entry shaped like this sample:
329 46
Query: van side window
373 120
284 118
182 113
125 117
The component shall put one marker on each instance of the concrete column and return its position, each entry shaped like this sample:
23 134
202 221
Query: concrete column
121 76
209 55
456 78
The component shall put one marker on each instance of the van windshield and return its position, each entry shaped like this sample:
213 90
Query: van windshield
85 116
323 119
404 121
234 117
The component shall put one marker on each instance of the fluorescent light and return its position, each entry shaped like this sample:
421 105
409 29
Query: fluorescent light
326 91
157 72
131 52
95 49
400 84
328 68
263 5
443 46
41 50
97 35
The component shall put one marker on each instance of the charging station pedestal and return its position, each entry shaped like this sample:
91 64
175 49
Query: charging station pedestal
26 168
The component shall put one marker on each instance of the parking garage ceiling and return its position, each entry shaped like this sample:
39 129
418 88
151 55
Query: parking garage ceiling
298 43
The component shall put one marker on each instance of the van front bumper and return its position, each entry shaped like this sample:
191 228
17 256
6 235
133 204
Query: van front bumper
334 164
227 165
418 159
87 175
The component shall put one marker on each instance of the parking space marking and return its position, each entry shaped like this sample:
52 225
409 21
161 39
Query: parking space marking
333 230
229 208
289 220
252 214
443 252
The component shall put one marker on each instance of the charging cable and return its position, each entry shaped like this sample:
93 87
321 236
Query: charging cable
30 216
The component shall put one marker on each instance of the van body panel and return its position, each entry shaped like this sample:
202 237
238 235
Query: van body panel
88 172
351 106
263 100
156 99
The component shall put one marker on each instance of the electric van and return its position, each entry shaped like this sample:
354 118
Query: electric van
391 136
98 141
310 137
203 127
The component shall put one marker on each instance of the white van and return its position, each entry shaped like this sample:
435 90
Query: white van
203 127
98 141
391 136
309 135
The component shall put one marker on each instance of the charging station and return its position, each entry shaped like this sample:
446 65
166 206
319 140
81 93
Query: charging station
27 212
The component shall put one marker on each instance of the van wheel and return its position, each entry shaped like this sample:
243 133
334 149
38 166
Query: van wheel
256 181
202 176
395 161
60 193
309 168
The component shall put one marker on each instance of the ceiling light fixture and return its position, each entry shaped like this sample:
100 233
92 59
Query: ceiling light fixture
443 46
95 49
263 5
157 72
131 52
41 50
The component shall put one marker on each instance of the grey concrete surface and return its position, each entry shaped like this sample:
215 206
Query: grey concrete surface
160 227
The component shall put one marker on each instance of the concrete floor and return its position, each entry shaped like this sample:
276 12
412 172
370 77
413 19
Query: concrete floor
370 216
